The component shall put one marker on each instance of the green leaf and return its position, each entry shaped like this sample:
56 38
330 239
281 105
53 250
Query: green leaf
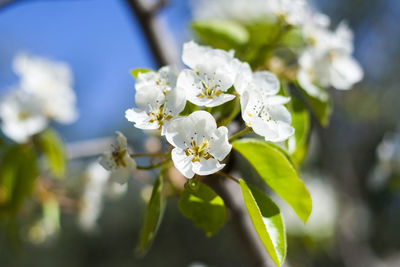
135 72
52 147
153 218
278 172
204 207
18 172
223 34
320 106
298 143
293 38
267 221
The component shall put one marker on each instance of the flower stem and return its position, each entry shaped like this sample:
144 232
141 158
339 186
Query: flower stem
233 114
143 155
153 166
239 134
228 176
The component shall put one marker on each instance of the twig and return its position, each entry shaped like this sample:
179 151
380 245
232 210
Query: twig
5 3
239 134
147 20
228 176
89 148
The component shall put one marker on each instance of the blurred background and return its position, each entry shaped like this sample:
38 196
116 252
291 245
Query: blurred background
356 217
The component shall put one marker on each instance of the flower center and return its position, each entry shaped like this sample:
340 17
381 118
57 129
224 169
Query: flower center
198 151
118 157
23 115
209 91
159 115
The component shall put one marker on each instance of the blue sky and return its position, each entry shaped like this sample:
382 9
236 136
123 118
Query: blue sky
99 39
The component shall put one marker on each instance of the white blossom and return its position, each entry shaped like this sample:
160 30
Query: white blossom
212 74
164 79
290 11
98 185
329 62
263 109
199 145
21 116
51 83
118 161
156 108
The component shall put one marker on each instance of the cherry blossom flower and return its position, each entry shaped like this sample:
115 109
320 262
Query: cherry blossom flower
164 79
262 109
333 66
156 108
51 83
199 144
21 116
118 161
212 74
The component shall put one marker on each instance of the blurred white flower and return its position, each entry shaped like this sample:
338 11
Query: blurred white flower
21 116
156 108
388 161
118 161
97 185
323 219
290 11
48 226
164 79
199 144
329 62
212 74
92 198
262 109
239 10
51 83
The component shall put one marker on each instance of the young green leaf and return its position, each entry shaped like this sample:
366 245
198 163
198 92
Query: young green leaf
267 221
18 172
204 207
221 34
52 147
278 172
152 221
135 72
298 143
322 109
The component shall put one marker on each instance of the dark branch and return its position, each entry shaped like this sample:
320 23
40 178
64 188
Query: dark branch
6 3
147 20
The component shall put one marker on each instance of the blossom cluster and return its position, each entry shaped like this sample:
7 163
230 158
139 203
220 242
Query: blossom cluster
44 93
212 78
326 59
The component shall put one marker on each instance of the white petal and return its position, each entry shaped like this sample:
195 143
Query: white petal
280 113
345 72
182 162
219 145
193 54
219 100
267 82
149 97
277 100
244 76
141 119
121 140
107 161
207 167
307 84
269 130
176 101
